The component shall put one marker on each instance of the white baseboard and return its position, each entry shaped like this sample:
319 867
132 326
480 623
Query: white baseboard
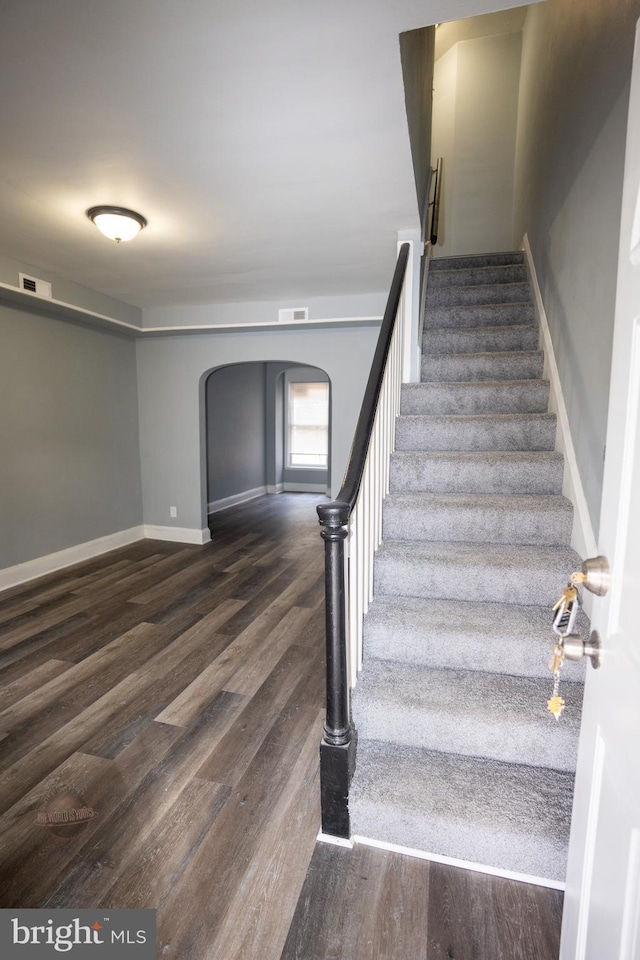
41 566
464 864
336 841
305 487
216 505
177 534
299 488
583 539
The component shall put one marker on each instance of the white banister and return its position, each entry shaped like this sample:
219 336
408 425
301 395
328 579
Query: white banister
365 527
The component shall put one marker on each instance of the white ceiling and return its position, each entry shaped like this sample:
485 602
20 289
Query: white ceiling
264 140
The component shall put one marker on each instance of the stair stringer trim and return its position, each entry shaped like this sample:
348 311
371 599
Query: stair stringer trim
583 538
463 864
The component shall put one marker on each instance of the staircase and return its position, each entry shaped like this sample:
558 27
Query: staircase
457 754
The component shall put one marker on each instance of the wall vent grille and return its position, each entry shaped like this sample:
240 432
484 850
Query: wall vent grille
32 285
293 315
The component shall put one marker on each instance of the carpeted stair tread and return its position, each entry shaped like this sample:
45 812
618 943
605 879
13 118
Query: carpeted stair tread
507 816
479 315
507 365
457 754
519 336
518 431
475 396
499 573
473 713
505 638
473 276
519 472
464 261
492 518
478 293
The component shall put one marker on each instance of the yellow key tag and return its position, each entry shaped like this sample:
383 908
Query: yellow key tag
555 706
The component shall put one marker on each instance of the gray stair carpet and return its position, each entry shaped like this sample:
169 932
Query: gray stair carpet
457 754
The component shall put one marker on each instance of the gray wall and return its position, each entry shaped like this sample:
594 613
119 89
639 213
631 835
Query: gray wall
70 465
69 292
171 384
235 404
475 121
576 66
274 422
266 311
417 55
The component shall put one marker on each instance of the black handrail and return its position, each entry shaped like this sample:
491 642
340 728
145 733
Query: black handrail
435 214
337 750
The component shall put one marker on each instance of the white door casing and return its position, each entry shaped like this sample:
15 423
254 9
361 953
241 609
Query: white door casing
602 902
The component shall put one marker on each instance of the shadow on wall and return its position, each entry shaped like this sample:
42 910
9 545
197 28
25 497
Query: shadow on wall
267 431
475 119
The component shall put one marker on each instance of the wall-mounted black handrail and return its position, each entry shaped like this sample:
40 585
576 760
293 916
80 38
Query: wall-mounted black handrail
337 750
435 213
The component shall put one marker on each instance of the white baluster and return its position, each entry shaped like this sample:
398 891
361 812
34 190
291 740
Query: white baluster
366 525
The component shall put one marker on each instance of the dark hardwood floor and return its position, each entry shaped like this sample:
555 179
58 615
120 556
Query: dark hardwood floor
174 694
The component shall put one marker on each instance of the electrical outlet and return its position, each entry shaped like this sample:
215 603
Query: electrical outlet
173 512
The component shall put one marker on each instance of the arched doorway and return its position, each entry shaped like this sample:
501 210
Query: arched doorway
268 429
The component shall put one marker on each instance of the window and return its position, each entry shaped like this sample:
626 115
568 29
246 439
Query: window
308 425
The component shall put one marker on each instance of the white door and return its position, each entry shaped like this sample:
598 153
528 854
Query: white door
602 903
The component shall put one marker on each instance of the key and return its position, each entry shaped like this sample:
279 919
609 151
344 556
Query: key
569 596
557 658
555 704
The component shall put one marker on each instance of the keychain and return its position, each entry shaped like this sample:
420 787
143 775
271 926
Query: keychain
556 704
566 610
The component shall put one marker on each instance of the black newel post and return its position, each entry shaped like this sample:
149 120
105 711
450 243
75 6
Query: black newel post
337 749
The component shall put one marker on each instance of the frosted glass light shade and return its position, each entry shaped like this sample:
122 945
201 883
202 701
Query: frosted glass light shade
117 223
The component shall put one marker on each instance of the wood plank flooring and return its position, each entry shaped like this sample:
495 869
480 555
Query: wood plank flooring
368 904
176 692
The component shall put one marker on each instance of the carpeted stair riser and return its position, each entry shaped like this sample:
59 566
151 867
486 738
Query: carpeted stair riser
474 714
475 396
459 367
480 339
492 637
479 315
474 276
513 817
466 261
518 472
521 431
480 293
491 572
457 753
477 518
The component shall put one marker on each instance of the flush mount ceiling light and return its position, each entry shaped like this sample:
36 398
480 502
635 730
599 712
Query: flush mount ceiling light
117 223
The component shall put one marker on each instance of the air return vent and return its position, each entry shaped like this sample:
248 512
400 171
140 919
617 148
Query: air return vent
293 315
32 285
